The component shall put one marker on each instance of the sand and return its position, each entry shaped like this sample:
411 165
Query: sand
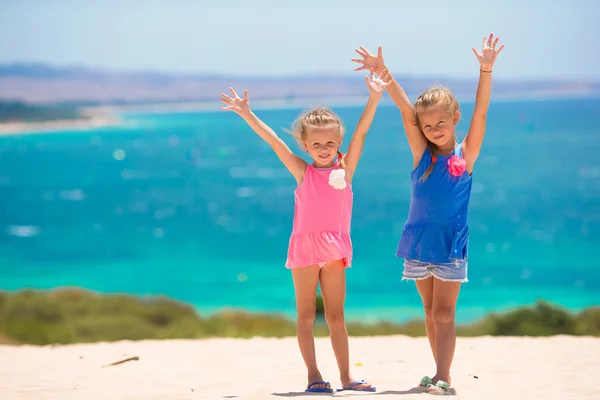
485 368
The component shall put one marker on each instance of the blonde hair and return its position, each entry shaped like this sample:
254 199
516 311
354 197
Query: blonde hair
437 96
318 117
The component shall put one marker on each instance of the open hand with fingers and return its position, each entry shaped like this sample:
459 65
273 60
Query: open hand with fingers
369 61
240 106
378 84
489 53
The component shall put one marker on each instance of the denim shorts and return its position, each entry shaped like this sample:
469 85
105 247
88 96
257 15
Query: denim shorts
455 271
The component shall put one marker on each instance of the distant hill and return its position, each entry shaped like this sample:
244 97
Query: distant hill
46 84
18 111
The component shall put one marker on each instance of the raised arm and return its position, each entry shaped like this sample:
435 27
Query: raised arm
474 139
376 87
241 106
416 140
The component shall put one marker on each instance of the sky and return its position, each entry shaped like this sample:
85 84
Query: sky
544 39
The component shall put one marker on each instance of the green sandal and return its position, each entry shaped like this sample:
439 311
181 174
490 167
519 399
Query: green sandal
425 381
441 388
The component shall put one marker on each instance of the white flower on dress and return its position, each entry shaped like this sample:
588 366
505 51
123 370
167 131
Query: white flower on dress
337 179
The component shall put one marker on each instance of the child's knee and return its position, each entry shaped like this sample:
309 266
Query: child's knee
334 317
428 310
306 315
443 315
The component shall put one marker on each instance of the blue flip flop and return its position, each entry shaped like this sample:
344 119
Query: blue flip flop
353 387
311 389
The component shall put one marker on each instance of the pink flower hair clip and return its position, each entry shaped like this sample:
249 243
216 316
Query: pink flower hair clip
457 165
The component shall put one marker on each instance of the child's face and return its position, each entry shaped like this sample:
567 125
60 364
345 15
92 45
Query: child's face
322 144
438 125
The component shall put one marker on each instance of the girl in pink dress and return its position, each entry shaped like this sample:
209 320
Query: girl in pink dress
320 248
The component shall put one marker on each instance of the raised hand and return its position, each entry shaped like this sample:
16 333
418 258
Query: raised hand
369 61
236 103
489 52
385 76
378 84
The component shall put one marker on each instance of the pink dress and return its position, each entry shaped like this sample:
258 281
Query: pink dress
322 217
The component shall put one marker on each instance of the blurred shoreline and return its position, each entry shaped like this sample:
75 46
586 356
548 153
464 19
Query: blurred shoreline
100 116
75 315
44 98
22 127
306 102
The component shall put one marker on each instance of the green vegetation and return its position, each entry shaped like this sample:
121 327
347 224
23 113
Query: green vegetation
21 112
72 315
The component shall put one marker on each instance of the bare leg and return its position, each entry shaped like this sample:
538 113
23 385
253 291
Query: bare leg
333 289
425 288
306 280
445 295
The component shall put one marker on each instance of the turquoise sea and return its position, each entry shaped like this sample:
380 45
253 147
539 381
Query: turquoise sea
196 207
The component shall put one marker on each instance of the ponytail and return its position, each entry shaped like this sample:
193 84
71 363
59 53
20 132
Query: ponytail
340 160
429 169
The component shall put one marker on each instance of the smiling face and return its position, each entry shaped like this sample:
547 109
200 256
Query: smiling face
437 113
319 132
322 144
438 125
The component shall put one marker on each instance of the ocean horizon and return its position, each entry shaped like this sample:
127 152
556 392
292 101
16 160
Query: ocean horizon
196 207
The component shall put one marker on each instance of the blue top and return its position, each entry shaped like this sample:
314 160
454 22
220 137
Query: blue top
436 230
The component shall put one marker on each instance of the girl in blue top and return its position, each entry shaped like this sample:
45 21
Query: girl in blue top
436 236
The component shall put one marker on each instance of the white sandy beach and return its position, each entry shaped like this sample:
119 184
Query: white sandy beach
487 368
